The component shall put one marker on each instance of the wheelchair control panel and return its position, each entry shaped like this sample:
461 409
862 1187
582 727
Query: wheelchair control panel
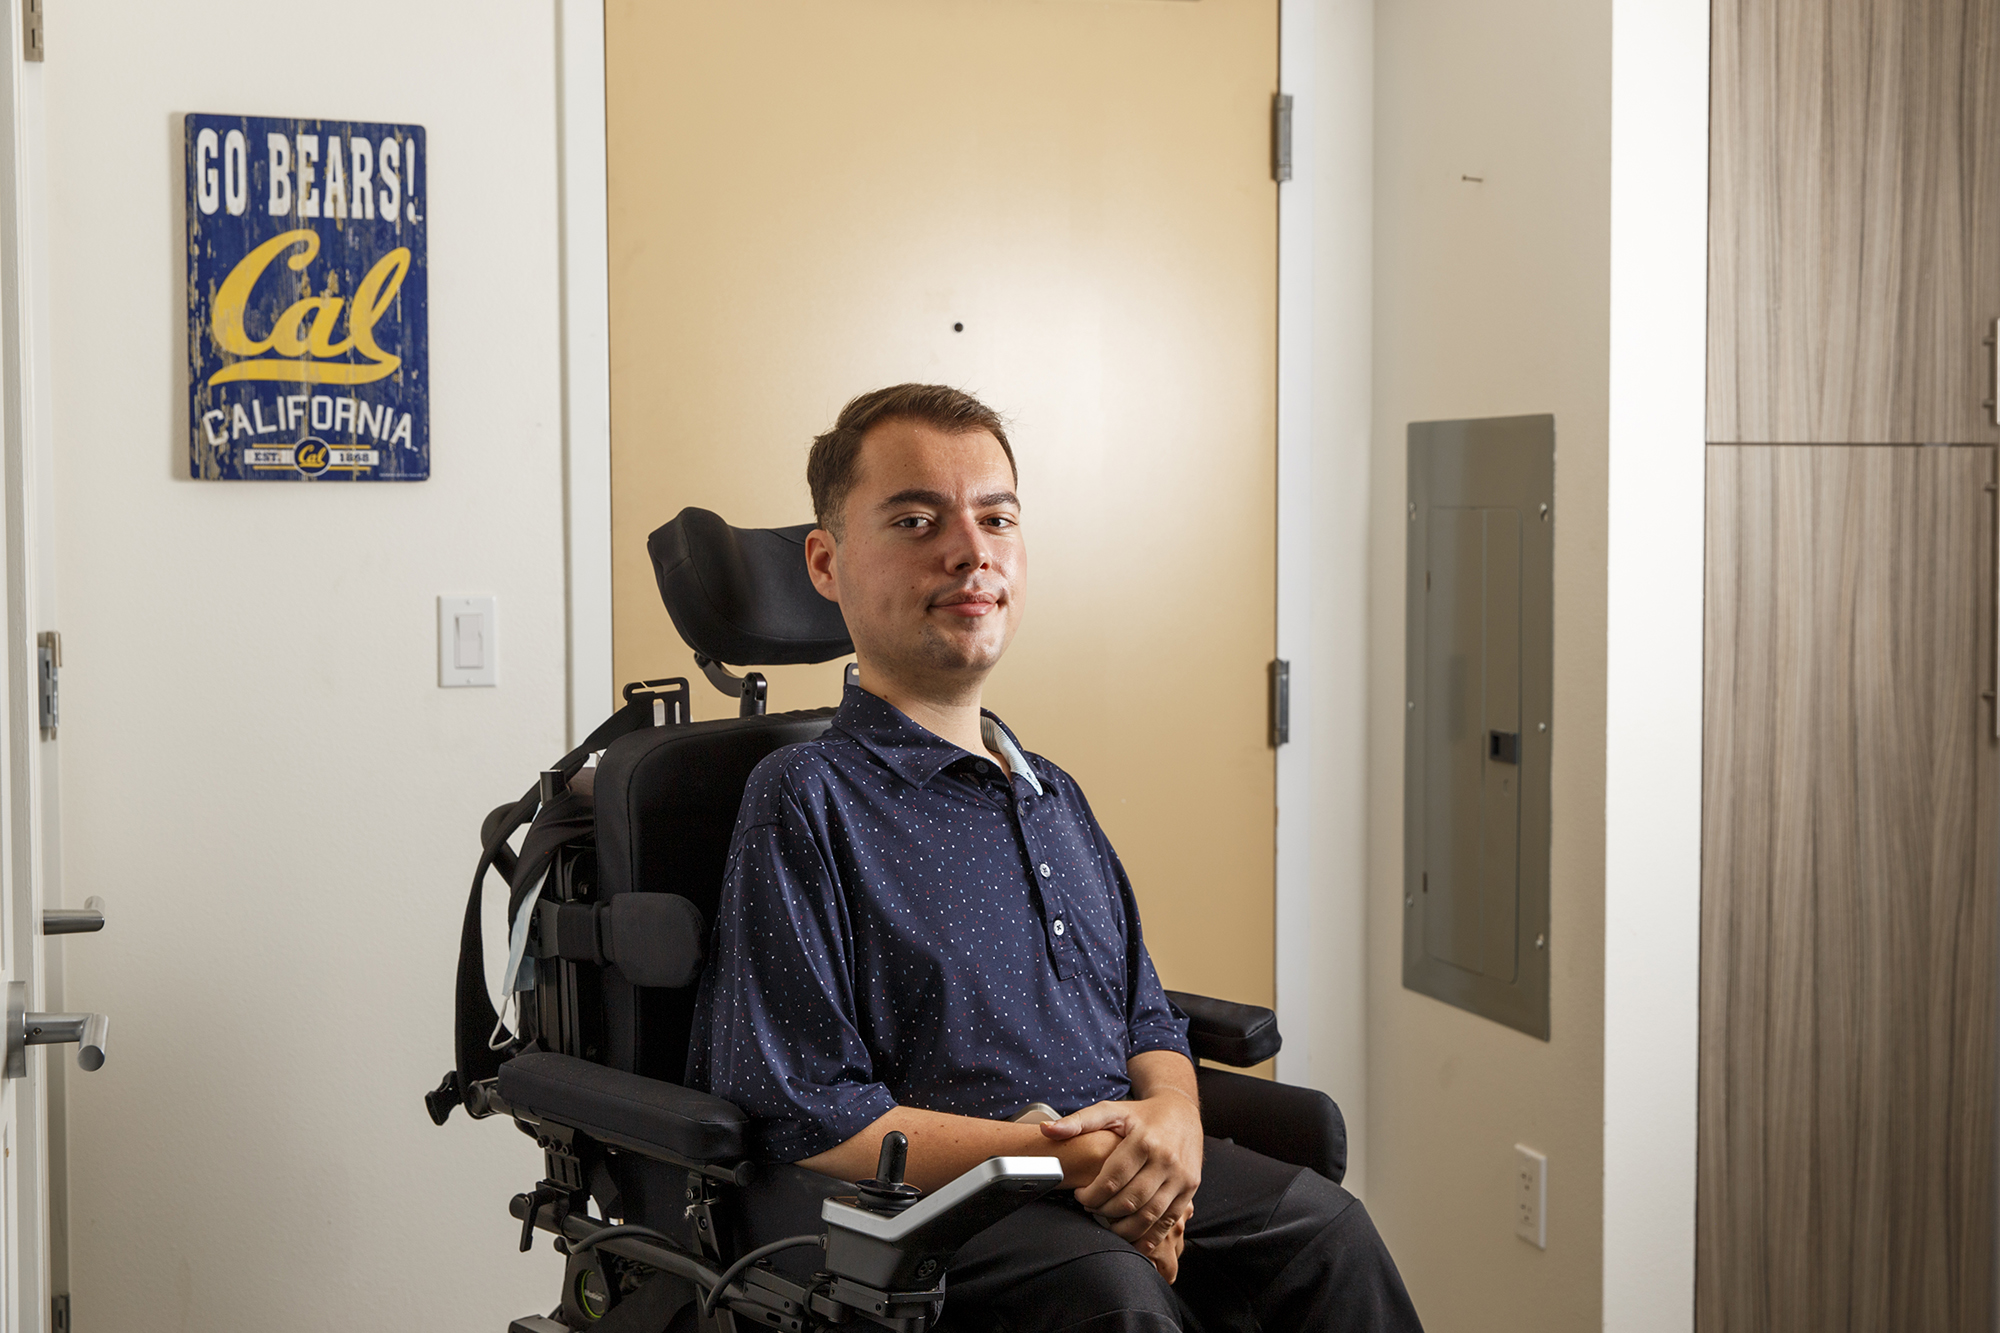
901 1240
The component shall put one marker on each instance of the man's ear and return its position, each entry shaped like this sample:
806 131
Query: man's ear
821 550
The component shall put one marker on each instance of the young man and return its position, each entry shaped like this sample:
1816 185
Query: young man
923 928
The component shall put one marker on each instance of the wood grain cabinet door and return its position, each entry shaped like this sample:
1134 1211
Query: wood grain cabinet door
1847 1109
1854 223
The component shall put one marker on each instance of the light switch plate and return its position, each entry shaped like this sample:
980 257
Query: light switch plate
1531 1196
468 640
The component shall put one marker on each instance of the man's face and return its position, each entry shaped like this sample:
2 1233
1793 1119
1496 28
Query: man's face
931 570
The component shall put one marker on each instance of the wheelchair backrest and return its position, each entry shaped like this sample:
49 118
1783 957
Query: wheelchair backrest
666 802
664 797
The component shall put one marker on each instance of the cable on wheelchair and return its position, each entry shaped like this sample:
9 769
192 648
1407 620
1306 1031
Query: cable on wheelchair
729 1274
623 1229
737 1269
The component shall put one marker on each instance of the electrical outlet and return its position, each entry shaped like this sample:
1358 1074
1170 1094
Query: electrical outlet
1531 1196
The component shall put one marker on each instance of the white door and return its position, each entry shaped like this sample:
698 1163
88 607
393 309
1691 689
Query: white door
33 1265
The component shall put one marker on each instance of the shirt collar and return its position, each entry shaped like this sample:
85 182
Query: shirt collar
1001 741
913 753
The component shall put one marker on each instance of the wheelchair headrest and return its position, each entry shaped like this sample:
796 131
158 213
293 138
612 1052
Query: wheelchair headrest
742 595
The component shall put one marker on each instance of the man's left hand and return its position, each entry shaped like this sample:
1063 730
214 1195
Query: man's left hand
1148 1182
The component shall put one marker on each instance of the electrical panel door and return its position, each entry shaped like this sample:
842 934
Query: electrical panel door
1481 544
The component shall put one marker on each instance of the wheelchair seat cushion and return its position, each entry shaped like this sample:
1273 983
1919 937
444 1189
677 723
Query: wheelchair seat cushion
742 595
643 1114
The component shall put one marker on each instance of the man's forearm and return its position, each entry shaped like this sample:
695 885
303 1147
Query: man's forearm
1156 1072
944 1147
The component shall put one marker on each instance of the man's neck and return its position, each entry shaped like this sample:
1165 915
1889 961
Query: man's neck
952 715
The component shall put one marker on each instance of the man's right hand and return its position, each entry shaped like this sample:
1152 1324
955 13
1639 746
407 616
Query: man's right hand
1082 1157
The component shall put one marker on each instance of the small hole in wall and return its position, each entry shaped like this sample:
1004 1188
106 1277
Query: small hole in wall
958 328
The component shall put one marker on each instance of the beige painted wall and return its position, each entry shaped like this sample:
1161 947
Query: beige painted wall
1493 299
1087 190
260 773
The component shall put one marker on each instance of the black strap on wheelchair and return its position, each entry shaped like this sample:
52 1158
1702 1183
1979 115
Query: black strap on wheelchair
565 818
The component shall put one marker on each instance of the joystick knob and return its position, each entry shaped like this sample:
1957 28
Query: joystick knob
889 1192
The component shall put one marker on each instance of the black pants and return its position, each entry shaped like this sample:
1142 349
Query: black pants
1271 1247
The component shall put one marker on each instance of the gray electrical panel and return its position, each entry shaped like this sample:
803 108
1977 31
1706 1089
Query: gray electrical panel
1476 716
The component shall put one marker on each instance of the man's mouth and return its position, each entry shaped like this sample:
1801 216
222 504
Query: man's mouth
972 603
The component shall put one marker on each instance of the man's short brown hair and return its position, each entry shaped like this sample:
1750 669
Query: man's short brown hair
830 466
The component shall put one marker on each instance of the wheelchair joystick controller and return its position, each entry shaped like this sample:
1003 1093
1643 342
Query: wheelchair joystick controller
889 1193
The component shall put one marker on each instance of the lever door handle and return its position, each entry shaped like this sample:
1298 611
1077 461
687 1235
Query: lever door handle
24 1029
74 920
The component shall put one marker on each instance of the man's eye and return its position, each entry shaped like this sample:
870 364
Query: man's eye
911 521
1003 521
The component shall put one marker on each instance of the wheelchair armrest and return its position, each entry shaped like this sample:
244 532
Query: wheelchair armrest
1302 1126
1226 1032
647 1115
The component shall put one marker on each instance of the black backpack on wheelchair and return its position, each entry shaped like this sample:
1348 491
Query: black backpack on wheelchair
649 1186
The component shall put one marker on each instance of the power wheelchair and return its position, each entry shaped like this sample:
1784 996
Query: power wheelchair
650 1187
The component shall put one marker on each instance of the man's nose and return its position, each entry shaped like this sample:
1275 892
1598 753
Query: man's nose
971 545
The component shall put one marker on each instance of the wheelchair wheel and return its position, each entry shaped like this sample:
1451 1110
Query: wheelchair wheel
585 1299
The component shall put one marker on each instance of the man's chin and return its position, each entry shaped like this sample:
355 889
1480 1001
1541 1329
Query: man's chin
960 654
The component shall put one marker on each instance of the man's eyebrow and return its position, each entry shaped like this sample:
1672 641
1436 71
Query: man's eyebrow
939 500
916 497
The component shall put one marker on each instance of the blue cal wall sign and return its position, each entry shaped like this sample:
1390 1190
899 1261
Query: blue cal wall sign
308 343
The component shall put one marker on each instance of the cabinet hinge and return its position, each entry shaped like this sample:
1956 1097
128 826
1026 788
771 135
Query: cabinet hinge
1281 136
31 29
1281 702
48 657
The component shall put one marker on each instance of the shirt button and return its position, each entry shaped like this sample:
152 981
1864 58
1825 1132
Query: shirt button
1044 868
981 765
1058 926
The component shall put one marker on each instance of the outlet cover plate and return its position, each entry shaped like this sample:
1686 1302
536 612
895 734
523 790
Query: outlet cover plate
1531 1196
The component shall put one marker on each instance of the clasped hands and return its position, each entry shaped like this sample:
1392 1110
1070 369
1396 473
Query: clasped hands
1148 1166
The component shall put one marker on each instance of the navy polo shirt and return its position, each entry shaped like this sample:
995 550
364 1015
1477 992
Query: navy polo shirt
900 925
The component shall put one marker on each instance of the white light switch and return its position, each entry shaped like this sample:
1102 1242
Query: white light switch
468 641
468 644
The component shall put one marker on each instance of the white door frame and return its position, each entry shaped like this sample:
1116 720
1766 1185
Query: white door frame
586 365
34 1254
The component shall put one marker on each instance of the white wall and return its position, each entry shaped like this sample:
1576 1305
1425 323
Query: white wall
259 771
1492 298
1571 279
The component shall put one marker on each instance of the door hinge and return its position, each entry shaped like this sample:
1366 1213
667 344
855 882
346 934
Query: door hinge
31 29
59 1315
1281 136
48 656
1281 702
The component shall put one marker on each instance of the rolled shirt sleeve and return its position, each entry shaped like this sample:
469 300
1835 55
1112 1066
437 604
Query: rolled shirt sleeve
777 1004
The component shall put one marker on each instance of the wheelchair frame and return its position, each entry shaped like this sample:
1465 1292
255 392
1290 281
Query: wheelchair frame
884 1251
